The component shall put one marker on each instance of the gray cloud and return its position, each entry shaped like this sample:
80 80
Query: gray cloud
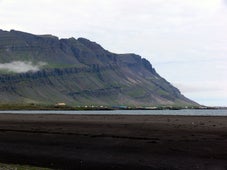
21 66
207 93
195 88
184 34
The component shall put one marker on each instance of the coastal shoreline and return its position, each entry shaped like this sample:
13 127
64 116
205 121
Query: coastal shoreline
66 141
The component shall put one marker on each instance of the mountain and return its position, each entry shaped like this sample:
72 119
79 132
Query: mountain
44 69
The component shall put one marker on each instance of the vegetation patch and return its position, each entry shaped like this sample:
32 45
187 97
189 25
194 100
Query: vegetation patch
20 167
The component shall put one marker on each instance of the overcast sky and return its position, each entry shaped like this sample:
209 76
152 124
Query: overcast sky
185 40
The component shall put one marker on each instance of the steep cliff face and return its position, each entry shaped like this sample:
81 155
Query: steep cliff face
79 72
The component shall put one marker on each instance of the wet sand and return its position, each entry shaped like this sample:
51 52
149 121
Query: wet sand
114 141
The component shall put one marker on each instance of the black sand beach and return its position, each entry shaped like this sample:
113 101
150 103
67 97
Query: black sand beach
114 141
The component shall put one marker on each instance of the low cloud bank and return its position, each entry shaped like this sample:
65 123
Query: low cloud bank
200 87
21 66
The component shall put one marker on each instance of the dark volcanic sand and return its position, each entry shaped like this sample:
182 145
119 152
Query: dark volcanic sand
114 142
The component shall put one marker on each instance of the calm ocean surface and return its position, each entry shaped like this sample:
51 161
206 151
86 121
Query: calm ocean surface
127 112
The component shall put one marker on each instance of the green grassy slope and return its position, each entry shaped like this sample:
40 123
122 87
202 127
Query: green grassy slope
80 72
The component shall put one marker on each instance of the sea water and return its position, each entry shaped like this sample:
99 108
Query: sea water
187 112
